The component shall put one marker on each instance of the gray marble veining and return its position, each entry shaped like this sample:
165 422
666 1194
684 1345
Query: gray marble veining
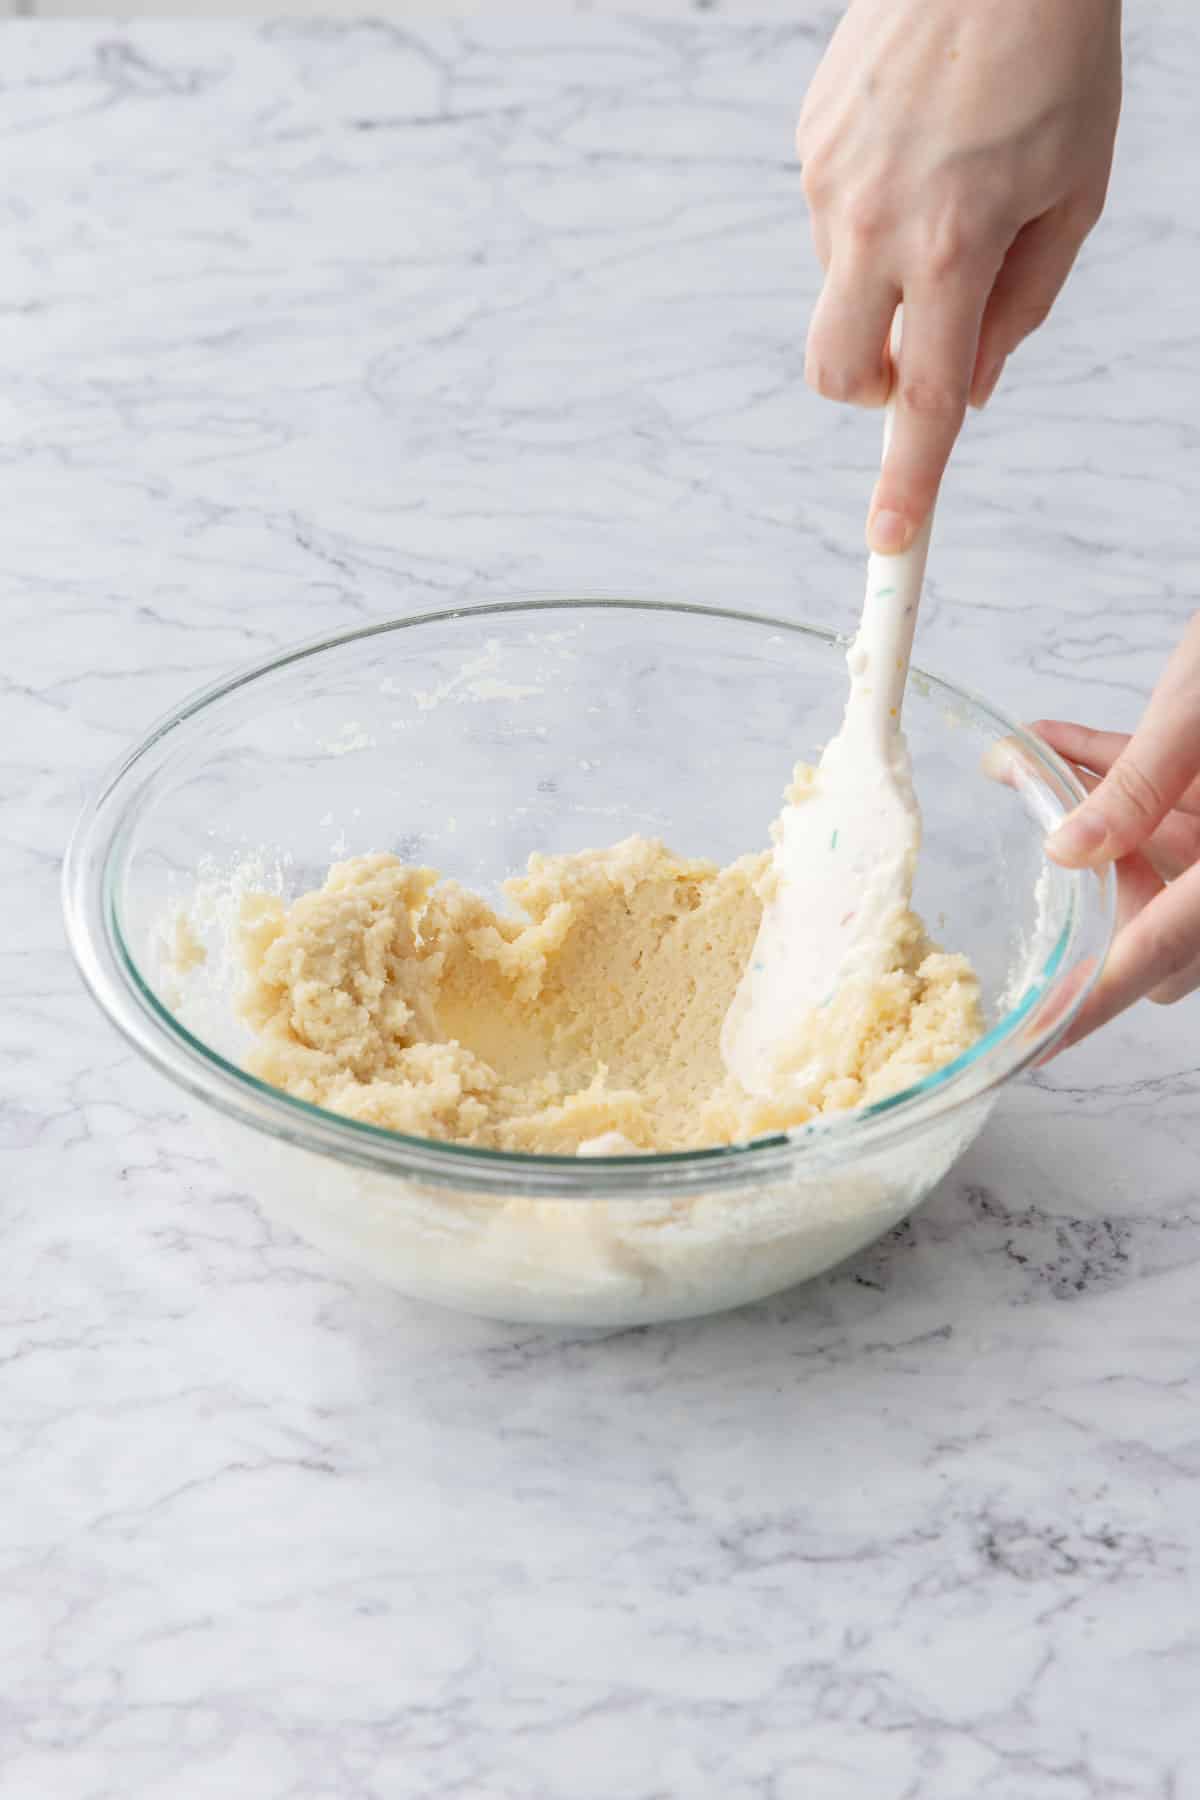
308 324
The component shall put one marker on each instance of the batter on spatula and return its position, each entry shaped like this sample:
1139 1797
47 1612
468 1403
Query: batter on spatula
837 914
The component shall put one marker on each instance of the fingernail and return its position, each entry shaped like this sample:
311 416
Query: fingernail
987 385
888 533
1078 840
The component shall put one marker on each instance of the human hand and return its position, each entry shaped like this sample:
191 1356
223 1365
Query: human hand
1143 814
955 157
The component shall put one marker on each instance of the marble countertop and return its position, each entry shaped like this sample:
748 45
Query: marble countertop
308 325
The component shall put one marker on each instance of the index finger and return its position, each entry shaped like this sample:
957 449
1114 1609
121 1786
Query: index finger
931 385
1097 751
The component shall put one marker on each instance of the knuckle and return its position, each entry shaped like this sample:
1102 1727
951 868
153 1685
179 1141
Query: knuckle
1138 795
953 242
1170 951
832 380
816 374
815 175
867 220
864 386
933 398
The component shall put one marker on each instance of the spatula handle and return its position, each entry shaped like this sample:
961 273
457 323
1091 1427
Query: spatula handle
894 585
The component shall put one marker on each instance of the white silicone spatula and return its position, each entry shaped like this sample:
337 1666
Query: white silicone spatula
846 849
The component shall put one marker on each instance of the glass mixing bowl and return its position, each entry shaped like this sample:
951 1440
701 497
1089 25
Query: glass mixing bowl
467 739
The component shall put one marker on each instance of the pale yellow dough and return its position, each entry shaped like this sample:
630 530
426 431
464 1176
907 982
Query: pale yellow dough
395 997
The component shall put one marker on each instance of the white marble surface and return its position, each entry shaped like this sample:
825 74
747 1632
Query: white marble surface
309 325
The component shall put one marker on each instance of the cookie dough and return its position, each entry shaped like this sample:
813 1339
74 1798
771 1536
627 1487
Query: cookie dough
586 1020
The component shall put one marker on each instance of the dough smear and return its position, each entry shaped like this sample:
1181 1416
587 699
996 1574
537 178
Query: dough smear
588 1019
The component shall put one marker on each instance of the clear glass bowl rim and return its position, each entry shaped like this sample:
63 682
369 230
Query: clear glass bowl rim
91 877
